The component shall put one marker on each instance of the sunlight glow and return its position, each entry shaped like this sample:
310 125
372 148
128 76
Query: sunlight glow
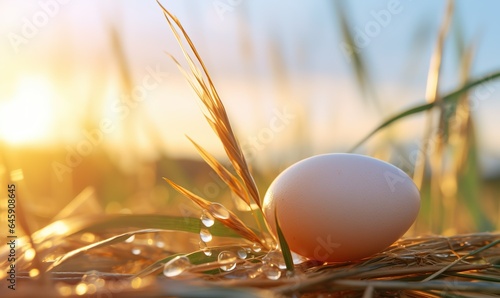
28 116
55 228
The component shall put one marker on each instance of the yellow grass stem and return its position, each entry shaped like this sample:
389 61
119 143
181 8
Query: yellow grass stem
432 96
244 186
232 221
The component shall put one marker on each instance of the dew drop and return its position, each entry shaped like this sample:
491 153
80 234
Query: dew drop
158 240
271 257
130 239
206 219
136 251
271 271
205 235
242 253
218 211
227 259
176 266
275 257
205 249
256 247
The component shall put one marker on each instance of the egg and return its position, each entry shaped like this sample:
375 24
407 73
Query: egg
341 207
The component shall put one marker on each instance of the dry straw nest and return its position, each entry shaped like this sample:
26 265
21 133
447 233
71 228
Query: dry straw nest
430 266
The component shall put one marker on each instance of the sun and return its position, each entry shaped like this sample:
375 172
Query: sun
27 116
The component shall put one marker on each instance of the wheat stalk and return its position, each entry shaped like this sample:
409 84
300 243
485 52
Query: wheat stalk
243 184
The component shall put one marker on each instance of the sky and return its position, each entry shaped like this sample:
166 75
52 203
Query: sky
281 68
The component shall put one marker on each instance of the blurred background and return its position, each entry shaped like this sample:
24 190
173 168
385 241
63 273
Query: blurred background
93 112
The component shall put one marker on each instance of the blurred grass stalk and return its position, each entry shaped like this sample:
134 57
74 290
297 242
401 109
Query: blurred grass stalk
436 157
453 157
447 171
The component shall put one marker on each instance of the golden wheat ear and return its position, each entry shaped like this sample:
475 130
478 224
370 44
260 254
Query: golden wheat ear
242 184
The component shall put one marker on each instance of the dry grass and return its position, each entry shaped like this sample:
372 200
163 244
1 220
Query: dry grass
243 186
431 266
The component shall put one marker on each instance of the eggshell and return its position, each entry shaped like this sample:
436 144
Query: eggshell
341 207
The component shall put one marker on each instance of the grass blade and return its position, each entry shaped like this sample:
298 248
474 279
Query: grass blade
120 221
436 158
449 98
106 242
469 184
357 61
232 222
285 249
226 176
215 111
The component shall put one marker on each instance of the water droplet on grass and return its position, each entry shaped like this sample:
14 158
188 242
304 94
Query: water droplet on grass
227 259
136 251
205 235
205 249
176 266
242 253
271 271
218 211
275 257
297 259
130 239
206 219
256 247
158 241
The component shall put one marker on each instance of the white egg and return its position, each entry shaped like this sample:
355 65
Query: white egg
341 207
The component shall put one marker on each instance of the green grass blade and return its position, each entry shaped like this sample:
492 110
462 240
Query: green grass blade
171 223
285 249
112 240
356 59
449 98
393 119
94 224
